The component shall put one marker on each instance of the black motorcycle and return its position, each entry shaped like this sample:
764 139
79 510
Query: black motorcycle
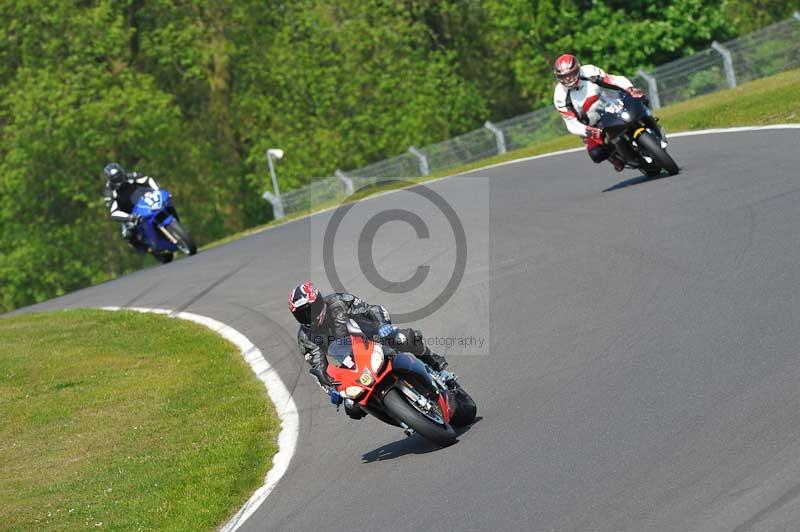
632 130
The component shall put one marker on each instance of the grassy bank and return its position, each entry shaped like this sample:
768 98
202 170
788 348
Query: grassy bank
126 421
771 100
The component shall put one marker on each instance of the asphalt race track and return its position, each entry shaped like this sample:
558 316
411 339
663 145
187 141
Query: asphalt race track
643 360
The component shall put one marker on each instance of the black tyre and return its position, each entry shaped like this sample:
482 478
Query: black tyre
163 257
185 242
401 409
652 147
651 170
465 408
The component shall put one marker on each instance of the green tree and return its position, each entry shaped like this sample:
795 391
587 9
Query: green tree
71 105
194 92
342 85
745 16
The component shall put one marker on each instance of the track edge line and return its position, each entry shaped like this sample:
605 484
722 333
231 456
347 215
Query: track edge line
688 133
277 391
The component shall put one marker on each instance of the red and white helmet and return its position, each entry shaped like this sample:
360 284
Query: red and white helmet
567 69
306 304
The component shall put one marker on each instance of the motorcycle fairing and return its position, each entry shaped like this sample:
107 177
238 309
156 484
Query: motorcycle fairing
155 209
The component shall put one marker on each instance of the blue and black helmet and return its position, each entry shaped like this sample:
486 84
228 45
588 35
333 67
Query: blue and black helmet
115 174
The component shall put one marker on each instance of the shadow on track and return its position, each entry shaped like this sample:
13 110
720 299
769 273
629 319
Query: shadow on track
415 444
635 181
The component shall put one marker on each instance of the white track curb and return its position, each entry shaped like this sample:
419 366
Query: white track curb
284 405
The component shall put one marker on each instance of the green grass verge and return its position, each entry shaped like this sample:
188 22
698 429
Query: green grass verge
126 421
750 104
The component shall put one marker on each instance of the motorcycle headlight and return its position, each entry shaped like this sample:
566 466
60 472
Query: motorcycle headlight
377 359
353 392
625 115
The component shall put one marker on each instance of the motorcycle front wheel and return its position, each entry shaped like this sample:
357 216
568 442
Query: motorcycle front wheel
184 242
651 170
648 143
401 409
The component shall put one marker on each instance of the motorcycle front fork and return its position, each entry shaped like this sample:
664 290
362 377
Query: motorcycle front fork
652 123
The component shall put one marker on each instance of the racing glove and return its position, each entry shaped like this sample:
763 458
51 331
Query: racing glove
594 133
336 397
635 92
386 330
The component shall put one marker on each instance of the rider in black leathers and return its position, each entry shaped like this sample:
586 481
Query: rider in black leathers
120 189
324 319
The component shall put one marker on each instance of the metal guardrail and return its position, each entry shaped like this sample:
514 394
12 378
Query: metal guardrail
763 53
757 55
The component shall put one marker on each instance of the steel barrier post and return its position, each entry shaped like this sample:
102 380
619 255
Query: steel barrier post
652 88
277 204
348 183
727 61
499 136
423 160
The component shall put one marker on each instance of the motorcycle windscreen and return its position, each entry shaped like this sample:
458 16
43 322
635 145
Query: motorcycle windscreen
340 353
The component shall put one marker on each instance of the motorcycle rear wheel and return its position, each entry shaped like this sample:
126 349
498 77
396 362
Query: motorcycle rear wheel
650 144
465 408
400 408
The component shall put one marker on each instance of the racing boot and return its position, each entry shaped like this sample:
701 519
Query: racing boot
130 236
139 246
436 362
619 164
449 379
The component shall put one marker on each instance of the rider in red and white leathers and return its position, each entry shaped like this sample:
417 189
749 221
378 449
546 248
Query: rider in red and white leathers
577 97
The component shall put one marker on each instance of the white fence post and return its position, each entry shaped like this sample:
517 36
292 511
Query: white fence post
423 160
652 88
348 183
727 61
499 136
277 204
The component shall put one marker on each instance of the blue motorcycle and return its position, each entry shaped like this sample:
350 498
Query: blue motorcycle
159 227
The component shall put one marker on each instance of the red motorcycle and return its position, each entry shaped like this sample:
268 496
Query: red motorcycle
398 388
